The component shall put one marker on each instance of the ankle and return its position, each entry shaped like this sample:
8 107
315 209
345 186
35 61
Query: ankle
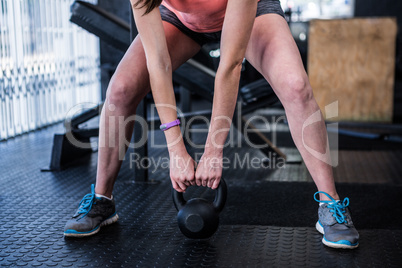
103 191
334 195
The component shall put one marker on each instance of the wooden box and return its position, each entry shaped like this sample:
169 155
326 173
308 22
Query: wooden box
352 61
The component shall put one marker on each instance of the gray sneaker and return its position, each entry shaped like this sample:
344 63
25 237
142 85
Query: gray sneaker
92 213
335 223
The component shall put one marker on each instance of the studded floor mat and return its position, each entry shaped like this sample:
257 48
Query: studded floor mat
34 207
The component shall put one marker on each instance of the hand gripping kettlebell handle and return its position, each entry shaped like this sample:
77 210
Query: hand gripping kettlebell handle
219 201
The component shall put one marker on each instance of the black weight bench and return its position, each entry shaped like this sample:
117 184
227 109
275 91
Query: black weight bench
194 76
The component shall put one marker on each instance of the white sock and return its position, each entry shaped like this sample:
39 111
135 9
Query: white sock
322 203
108 198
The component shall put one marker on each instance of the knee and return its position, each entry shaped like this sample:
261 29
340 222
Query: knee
296 91
123 93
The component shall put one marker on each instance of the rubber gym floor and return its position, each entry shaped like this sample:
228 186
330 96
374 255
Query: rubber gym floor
268 220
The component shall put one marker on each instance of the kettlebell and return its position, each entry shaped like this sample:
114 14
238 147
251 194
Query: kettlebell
198 218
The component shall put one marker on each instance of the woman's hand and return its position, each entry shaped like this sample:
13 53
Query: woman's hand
209 169
182 169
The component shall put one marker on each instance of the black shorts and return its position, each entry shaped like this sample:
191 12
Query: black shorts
264 7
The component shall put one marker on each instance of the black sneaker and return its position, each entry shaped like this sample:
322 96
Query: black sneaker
93 213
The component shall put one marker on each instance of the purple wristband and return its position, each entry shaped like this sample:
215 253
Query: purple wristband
169 125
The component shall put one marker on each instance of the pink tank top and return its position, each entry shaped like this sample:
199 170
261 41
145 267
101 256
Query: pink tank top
204 16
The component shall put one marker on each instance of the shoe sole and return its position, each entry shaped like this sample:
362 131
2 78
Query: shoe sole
331 244
108 221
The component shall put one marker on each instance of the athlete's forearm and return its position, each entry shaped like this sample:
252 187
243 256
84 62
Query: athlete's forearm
159 66
237 27
165 102
225 97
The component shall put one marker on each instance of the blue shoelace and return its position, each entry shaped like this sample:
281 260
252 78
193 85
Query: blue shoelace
86 202
337 208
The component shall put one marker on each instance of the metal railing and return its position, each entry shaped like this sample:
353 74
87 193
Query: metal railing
47 65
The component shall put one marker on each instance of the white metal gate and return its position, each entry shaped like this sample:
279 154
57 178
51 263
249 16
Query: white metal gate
47 64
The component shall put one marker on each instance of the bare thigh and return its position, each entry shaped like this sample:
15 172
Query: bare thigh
132 76
273 52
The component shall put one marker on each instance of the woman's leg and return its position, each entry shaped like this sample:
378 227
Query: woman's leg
273 52
128 86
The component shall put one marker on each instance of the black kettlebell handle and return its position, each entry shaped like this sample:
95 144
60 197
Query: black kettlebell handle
219 201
